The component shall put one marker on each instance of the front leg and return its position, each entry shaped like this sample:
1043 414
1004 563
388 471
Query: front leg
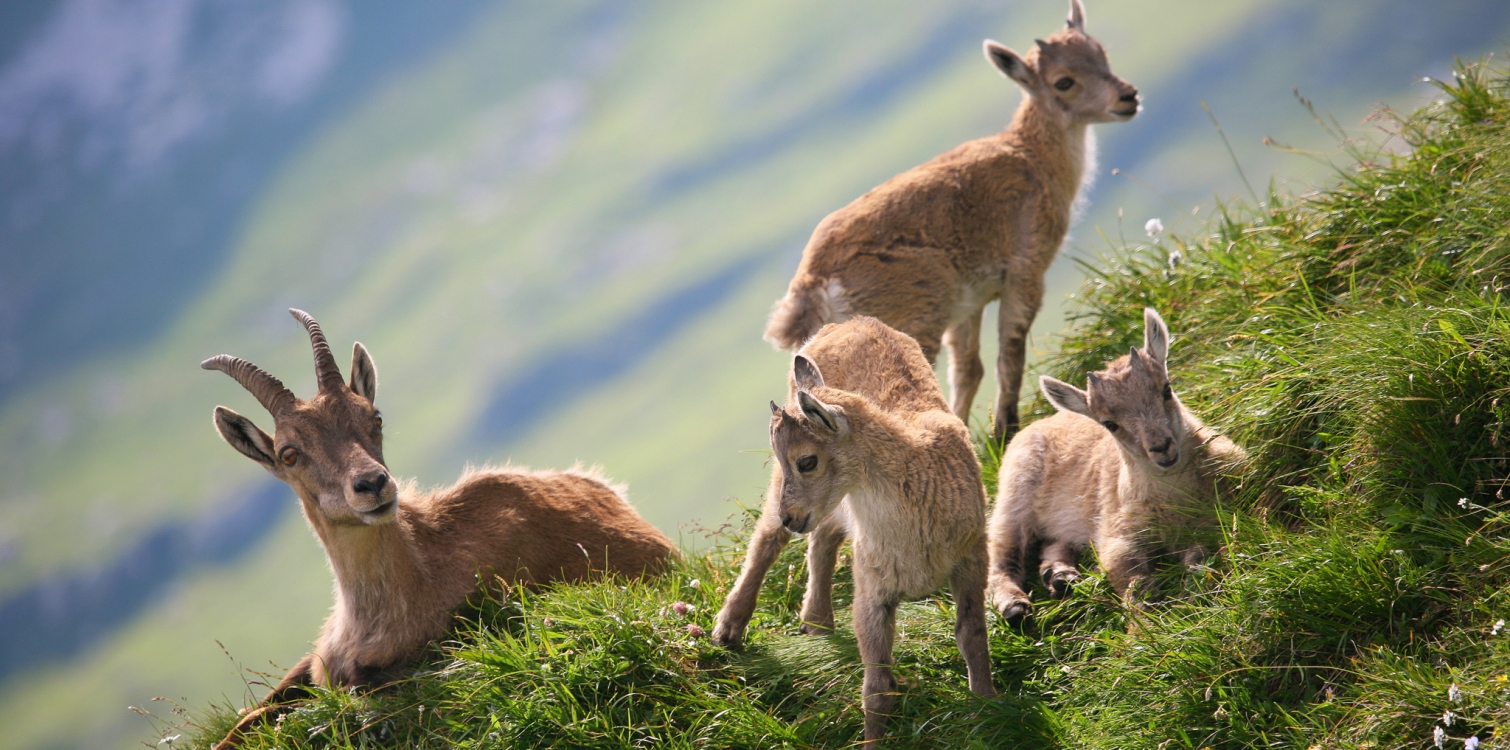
293 686
1128 569
765 544
822 557
968 584
1019 306
875 618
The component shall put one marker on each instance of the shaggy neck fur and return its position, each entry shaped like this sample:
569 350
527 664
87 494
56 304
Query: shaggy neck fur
1064 147
377 572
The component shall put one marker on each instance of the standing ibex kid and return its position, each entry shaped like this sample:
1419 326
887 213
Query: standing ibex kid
866 448
1123 466
404 559
930 248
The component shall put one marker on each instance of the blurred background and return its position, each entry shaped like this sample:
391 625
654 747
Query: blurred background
558 228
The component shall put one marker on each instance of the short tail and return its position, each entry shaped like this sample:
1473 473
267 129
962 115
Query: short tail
799 315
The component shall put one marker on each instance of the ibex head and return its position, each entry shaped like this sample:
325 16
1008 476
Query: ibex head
329 448
1069 73
1132 398
812 442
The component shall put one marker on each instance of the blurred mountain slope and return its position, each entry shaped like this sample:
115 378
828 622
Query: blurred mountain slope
565 177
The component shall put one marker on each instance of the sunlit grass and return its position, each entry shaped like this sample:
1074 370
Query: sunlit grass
1355 341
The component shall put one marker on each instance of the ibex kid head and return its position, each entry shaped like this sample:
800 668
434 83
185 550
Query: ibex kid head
328 448
1069 74
812 443
1132 398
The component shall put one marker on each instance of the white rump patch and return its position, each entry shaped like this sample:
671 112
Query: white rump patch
835 306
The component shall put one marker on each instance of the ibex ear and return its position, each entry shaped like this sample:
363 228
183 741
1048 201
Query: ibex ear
805 373
1009 63
363 373
1155 336
1077 16
245 437
822 415
1065 397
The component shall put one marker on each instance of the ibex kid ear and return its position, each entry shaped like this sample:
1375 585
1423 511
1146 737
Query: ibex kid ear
245 437
1010 64
1076 20
1063 396
820 414
1155 336
363 373
805 373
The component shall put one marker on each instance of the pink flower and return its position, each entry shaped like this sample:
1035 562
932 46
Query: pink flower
682 608
694 630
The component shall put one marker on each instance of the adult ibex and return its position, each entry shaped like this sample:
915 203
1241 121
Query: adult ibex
404 559
866 448
927 250
1123 466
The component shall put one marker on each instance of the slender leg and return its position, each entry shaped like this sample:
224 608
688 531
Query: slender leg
765 544
291 688
1057 568
965 368
822 556
875 618
1019 306
1011 532
968 583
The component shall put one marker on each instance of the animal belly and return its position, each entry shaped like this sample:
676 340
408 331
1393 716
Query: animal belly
909 571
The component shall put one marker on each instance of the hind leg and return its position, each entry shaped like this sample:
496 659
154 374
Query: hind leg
965 368
1057 568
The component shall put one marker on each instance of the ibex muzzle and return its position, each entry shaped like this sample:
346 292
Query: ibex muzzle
329 447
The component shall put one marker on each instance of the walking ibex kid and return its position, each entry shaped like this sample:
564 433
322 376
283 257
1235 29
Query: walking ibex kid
866 448
404 559
930 248
1123 466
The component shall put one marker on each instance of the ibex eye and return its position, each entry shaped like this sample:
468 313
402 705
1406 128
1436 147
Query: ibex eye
807 464
288 456
1110 426
1168 392
377 418
1064 83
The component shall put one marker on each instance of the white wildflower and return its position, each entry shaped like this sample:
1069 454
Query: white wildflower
1454 693
1448 718
1472 743
169 740
695 583
1462 502
1438 736
1154 227
1499 627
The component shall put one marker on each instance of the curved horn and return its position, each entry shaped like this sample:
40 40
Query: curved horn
327 374
269 390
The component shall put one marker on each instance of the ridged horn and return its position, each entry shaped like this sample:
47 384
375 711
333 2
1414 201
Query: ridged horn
326 372
268 390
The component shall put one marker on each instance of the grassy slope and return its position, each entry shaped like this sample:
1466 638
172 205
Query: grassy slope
453 291
1355 340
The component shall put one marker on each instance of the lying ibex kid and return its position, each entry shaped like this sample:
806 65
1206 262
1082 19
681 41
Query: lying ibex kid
930 248
1123 466
866 448
404 559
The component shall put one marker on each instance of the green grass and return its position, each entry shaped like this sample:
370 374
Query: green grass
1356 341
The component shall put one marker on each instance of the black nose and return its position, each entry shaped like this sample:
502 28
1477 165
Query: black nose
371 484
1165 447
1130 98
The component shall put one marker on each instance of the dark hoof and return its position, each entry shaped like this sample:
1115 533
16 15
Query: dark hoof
1059 583
809 628
1015 612
727 636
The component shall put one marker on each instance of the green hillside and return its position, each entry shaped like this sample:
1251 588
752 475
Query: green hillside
1354 340
568 177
